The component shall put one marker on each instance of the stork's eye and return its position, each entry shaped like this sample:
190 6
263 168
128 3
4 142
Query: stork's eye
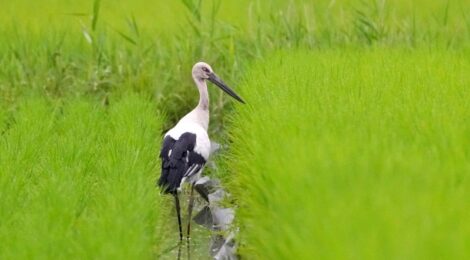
205 69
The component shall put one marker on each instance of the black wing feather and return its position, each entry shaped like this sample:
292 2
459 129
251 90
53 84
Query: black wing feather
178 160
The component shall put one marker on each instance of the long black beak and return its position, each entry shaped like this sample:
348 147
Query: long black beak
219 83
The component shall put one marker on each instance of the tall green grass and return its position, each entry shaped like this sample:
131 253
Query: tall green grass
78 180
354 154
62 47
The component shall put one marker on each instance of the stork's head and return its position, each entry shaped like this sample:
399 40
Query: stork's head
203 71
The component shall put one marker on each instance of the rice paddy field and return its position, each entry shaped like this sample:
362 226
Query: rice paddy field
357 155
353 144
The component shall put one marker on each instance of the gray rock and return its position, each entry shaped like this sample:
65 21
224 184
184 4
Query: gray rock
222 218
216 196
217 242
204 186
204 218
228 249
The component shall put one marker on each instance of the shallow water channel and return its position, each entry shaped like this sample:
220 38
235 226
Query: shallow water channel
195 248
212 233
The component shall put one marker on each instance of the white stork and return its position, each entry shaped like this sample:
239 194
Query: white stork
186 146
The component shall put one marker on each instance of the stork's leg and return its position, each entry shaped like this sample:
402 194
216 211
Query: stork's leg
188 249
178 213
190 208
179 251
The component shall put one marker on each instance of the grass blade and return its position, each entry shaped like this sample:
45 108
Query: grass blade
96 12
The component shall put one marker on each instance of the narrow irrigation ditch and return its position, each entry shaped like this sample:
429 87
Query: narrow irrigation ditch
213 236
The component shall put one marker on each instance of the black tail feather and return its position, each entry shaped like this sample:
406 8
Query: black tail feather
177 156
171 176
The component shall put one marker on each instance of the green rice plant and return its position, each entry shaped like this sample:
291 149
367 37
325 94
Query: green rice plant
353 154
78 180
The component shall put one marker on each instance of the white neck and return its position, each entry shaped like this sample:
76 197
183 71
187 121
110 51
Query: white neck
200 114
203 94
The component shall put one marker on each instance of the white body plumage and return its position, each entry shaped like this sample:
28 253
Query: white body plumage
195 122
